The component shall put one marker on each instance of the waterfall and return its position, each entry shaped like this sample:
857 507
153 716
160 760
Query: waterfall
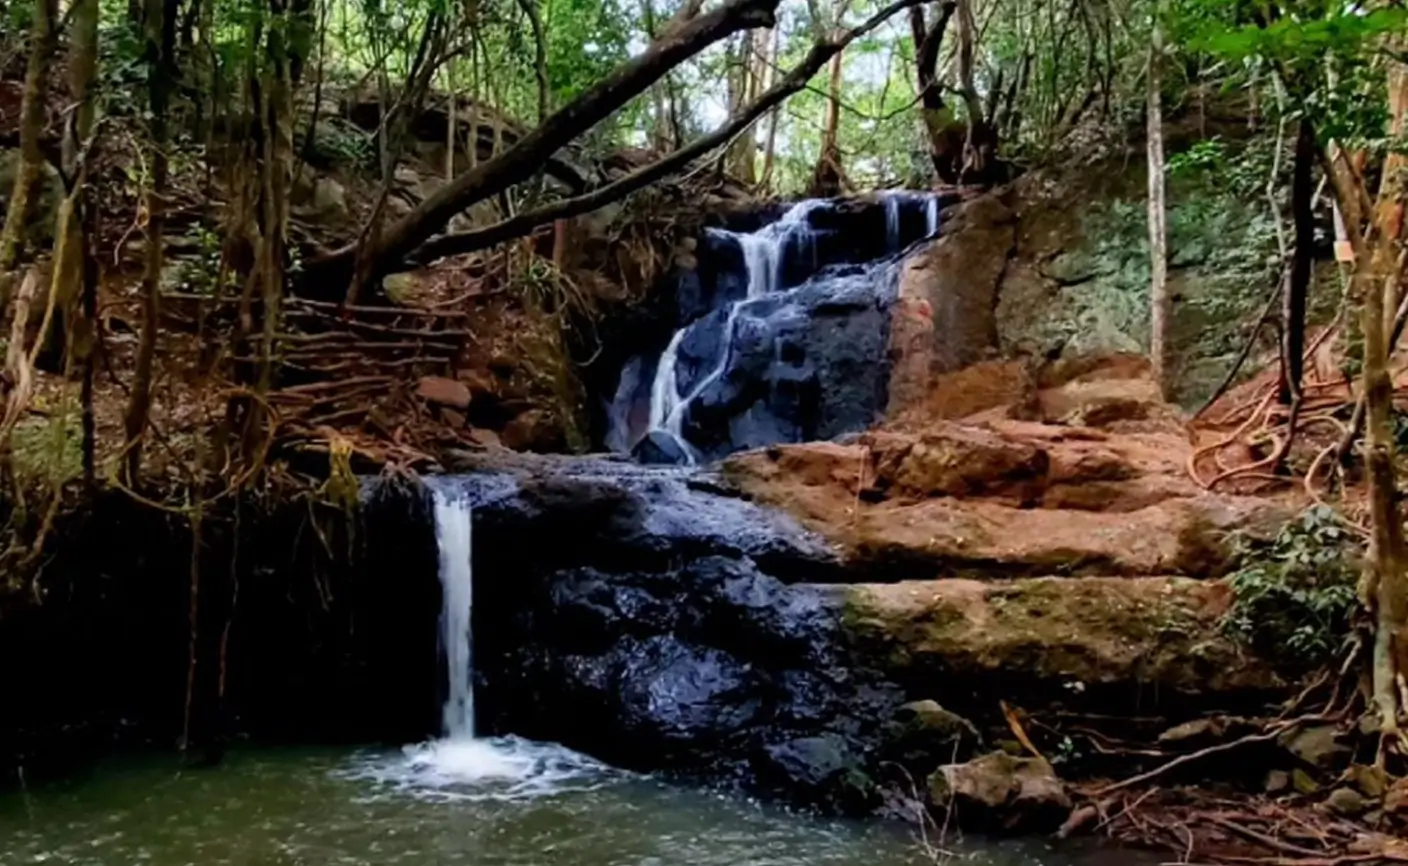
453 537
892 223
787 266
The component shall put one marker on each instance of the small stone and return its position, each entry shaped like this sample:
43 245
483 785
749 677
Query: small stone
927 735
1396 800
1303 782
1198 729
487 438
1317 746
1368 780
1277 781
398 287
1347 802
477 381
444 392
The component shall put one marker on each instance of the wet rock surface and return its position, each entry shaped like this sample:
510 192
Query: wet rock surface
782 332
653 619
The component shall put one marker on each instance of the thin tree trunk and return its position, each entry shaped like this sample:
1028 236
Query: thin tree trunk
159 27
1385 587
1160 302
829 177
1298 286
770 150
43 39
540 56
742 153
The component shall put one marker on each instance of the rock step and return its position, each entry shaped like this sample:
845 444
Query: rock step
952 639
940 538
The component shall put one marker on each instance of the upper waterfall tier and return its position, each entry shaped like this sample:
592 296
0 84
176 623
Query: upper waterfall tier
781 333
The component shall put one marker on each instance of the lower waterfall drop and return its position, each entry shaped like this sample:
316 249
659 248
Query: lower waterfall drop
454 538
460 763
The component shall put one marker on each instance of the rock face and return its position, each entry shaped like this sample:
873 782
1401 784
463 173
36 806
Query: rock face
659 619
781 330
647 617
957 276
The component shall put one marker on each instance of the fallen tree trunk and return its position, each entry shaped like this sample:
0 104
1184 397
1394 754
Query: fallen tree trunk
795 81
679 42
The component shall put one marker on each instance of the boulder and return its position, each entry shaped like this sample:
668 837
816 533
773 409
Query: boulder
661 449
1001 792
533 430
44 208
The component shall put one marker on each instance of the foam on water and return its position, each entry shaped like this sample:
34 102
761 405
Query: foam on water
485 769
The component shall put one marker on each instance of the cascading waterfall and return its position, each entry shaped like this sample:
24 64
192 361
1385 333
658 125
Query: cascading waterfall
454 537
812 251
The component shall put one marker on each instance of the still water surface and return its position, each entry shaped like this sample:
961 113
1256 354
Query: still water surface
479 803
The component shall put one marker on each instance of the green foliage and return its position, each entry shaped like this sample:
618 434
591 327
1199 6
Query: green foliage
47 450
1294 596
1294 38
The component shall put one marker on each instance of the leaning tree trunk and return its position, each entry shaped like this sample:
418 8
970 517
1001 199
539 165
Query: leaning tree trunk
43 39
1160 303
684 37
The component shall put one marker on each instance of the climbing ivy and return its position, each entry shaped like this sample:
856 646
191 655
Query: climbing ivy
1293 596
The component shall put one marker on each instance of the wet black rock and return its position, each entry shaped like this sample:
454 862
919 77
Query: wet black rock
651 618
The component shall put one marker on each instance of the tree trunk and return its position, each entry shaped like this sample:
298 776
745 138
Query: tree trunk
1298 286
829 176
43 39
1161 305
158 27
70 250
1385 588
770 149
741 153
938 119
980 148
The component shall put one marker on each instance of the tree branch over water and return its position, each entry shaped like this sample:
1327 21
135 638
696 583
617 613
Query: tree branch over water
795 81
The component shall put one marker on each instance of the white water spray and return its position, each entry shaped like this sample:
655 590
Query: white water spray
931 216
